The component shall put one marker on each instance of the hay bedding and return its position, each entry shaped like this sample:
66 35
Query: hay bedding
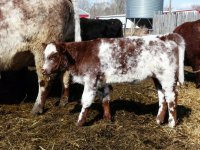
134 109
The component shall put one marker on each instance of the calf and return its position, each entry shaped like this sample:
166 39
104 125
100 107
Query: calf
100 62
190 31
91 29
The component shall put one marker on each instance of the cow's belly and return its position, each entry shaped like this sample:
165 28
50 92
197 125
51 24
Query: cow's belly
16 61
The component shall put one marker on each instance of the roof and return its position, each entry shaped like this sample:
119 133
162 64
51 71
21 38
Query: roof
186 10
82 12
108 16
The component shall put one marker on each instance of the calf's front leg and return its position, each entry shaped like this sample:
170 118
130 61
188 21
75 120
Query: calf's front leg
44 86
41 98
88 96
196 70
65 79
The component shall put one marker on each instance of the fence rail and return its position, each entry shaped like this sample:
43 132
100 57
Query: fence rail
165 23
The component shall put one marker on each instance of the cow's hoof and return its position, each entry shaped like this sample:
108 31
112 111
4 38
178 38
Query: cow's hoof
198 85
172 123
37 109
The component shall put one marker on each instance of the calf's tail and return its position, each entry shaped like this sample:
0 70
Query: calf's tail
181 51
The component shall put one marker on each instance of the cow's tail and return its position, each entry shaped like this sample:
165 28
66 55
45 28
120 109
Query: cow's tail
181 51
77 21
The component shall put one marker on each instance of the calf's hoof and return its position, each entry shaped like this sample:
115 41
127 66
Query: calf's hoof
172 123
81 122
37 109
159 120
107 117
63 103
82 117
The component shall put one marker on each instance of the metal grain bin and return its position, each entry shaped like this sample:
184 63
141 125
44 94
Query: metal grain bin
143 8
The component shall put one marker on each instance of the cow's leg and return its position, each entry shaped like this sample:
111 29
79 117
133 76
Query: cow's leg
196 69
88 96
65 88
197 76
162 102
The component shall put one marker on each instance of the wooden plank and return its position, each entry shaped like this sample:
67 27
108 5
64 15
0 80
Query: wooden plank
165 23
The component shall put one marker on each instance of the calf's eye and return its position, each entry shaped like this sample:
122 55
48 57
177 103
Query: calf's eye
54 57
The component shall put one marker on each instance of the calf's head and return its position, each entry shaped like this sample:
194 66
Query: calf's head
54 58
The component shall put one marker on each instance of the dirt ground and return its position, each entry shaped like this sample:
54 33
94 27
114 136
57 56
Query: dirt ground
134 109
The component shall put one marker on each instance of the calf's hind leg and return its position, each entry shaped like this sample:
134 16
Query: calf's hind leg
162 102
171 98
104 96
168 87
106 107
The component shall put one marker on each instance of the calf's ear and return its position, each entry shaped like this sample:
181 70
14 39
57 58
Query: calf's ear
60 47
63 50
68 60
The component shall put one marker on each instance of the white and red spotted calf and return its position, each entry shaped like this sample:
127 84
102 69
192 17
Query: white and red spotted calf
97 63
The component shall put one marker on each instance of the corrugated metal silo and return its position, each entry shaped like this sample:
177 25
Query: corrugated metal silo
143 8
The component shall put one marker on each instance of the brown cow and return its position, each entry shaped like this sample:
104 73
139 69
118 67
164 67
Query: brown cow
24 26
97 63
190 31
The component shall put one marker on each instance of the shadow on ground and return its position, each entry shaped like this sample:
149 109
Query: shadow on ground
131 106
18 86
22 86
